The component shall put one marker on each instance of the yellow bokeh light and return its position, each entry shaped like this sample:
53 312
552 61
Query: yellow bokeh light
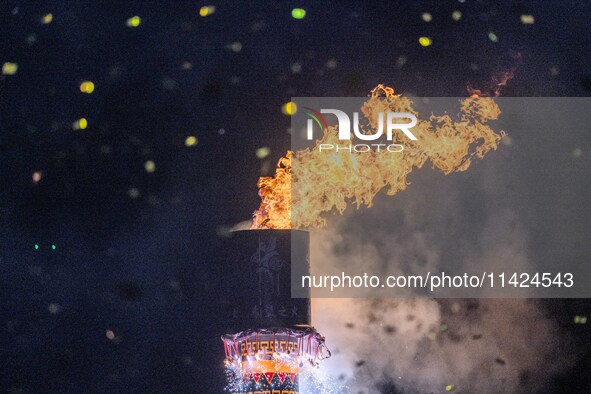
425 41
87 87
427 17
456 15
207 10
580 319
9 68
150 166
263 152
46 19
289 108
190 141
80 124
134 21
527 19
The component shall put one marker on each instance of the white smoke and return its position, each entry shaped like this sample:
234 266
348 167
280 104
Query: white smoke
424 345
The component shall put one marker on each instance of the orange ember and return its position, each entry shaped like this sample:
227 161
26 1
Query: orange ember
308 184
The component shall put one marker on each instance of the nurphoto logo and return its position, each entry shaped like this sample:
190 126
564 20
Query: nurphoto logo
386 122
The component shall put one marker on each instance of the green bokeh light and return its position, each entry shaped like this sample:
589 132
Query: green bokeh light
53 247
298 13
36 246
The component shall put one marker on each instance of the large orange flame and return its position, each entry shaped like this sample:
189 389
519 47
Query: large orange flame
309 183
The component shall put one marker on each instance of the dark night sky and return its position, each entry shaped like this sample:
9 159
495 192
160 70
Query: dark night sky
146 267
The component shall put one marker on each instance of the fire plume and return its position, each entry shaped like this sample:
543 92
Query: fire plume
309 183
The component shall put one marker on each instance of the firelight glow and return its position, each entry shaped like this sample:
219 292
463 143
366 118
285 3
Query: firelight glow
323 181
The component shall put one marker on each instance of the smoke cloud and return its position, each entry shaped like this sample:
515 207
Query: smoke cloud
421 345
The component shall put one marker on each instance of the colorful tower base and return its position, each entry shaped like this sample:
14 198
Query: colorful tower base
258 272
268 361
